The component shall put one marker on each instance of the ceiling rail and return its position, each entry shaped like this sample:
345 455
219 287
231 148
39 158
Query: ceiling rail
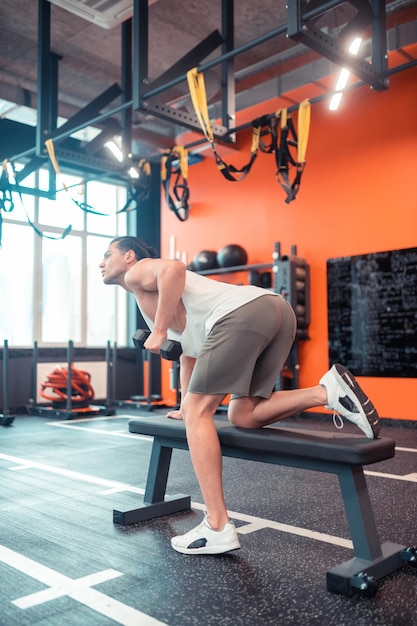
318 10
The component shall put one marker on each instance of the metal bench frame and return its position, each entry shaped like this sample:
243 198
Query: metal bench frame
335 453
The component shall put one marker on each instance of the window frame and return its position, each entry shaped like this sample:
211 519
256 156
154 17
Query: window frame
124 223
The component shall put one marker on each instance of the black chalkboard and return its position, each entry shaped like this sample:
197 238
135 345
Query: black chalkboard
372 313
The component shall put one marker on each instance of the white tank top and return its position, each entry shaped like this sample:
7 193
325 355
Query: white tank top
206 301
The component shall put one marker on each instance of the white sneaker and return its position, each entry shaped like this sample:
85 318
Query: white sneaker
204 540
346 398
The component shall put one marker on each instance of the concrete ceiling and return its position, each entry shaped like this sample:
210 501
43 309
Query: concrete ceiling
90 55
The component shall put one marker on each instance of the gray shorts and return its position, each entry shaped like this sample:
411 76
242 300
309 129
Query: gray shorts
246 350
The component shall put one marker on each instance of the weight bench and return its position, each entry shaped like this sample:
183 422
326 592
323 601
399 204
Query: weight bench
336 453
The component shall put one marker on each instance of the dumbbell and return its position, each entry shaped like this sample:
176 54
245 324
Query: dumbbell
170 349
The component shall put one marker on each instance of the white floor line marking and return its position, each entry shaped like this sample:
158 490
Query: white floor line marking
97 431
251 528
102 418
65 589
77 590
111 484
196 505
412 478
398 448
256 523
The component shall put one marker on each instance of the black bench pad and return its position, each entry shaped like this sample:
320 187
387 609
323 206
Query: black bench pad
277 440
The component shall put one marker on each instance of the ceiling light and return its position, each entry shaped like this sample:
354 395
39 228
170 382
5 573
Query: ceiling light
115 150
343 79
335 101
133 172
355 45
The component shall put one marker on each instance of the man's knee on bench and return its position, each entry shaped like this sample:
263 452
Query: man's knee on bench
240 412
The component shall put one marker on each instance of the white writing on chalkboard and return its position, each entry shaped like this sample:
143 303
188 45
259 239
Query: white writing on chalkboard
372 313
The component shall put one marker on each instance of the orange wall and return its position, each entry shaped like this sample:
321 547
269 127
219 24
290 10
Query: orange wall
358 195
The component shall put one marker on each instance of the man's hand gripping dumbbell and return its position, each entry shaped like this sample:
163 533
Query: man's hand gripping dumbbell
170 349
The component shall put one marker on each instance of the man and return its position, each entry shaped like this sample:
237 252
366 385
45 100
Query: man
235 340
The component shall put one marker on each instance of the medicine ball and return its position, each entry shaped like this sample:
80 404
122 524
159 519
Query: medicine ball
232 255
205 260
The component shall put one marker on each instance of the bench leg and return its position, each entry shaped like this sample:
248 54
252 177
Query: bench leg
155 503
359 513
370 558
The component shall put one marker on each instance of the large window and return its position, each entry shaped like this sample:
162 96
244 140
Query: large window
50 286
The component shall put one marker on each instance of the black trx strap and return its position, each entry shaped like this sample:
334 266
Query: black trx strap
175 164
139 190
268 128
141 186
198 98
8 206
232 173
6 199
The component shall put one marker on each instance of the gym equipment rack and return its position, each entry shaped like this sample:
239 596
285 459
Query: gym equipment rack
69 411
6 418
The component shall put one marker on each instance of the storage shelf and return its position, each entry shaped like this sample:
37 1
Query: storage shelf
236 268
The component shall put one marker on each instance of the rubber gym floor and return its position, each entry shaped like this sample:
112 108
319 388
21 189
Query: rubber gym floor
64 562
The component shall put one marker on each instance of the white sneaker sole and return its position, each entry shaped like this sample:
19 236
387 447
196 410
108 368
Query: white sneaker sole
367 416
207 549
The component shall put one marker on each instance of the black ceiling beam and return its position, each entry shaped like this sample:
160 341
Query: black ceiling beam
223 57
379 39
47 87
47 113
111 127
311 14
189 60
64 135
44 85
34 164
300 30
297 27
178 116
176 74
228 91
83 116
127 73
93 163
358 23
140 51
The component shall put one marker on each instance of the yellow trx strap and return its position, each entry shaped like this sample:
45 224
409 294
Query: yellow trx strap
197 89
51 152
304 114
199 100
288 141
178 204
145 167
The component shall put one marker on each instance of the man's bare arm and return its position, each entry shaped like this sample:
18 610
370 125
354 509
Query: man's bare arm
186 369
158 285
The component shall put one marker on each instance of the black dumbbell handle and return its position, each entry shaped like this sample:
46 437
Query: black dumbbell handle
170 349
